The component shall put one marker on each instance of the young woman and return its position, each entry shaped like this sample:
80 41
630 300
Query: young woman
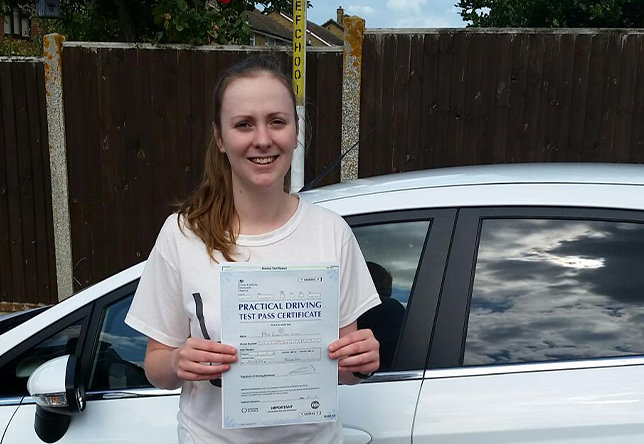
241 212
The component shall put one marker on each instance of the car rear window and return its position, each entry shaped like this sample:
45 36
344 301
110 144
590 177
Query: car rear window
556 289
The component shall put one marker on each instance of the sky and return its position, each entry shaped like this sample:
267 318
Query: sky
391 13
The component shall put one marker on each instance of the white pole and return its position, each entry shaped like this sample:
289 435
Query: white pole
299 87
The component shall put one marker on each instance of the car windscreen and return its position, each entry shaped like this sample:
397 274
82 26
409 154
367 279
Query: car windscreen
10 320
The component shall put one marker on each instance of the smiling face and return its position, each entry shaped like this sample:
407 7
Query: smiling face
258 132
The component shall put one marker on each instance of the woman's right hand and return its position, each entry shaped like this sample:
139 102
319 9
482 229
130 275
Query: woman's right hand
202 359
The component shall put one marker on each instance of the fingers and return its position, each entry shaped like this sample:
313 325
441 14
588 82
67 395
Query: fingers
189 368
356 352
190 376
364 363
209 346
358 342
202 359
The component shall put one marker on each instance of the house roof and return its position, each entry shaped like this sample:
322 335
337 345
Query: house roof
332 22
324 34
319 31
263 23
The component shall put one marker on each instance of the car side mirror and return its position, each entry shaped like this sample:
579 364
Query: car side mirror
58 390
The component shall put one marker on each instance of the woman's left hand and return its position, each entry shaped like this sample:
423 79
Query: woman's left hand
356 350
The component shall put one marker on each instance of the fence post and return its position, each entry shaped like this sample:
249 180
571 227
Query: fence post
53 45
352 66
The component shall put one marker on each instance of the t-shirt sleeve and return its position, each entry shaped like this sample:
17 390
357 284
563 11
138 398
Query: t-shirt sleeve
357 291
157 308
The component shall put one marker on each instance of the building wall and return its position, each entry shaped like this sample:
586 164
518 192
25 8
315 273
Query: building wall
335 29
18 19
260 39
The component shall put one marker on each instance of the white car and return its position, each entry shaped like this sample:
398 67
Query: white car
515 315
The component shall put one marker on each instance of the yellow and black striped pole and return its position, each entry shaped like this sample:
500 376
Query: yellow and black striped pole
299 87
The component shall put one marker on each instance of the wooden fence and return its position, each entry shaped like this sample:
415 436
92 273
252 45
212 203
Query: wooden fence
467 97
27 265
138 121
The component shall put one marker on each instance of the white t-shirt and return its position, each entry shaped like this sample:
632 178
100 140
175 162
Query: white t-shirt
179 275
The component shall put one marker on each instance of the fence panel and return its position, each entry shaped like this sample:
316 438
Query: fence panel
27 263
138 122
500 96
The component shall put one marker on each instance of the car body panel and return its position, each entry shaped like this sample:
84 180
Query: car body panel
130 420
127 420
568 195
6 415
383 410
512 174
589 405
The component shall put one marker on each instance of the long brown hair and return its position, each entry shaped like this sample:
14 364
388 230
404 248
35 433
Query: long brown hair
210 211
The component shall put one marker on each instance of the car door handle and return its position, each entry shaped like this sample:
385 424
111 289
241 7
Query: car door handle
355 436
119 395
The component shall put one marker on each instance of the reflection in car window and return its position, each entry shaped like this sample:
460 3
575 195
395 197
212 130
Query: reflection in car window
392 252
118 362
549 290
15 373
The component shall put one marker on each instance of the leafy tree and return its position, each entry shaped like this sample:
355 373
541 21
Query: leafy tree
166 21
553 13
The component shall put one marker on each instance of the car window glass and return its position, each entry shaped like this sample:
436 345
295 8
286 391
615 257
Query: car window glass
118 361
11 320
547 290
15 373
392 252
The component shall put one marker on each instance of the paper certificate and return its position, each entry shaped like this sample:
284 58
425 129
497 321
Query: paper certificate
281 320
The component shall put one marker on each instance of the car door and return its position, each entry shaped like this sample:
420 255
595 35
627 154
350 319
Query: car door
9 401
538 336
122 406
64 336
405 252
